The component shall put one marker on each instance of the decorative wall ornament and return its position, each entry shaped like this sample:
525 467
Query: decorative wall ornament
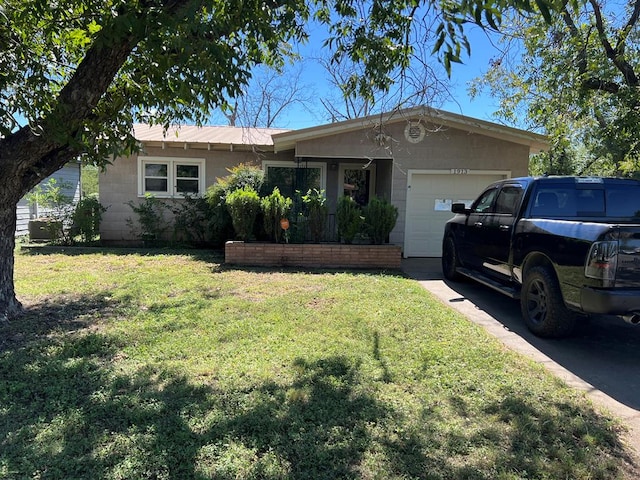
414 132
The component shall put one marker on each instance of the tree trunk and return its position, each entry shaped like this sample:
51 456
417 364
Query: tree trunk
9 304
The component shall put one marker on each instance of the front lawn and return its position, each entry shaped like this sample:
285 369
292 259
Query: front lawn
166 365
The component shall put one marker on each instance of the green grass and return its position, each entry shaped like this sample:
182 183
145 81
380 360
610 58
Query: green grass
166 365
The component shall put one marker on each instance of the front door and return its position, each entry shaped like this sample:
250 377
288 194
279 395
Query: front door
357 182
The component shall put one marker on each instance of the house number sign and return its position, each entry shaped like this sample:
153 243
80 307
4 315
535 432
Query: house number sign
460 171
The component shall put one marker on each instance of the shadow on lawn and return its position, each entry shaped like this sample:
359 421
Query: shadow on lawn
69 412
72 406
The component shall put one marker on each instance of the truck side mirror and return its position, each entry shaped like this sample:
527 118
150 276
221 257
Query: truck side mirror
459 208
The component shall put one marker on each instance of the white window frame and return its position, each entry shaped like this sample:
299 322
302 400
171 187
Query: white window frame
172 164
293 165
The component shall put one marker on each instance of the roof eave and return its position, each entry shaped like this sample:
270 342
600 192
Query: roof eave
232 147
536 142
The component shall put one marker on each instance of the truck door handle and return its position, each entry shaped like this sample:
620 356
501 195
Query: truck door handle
505 227
477 224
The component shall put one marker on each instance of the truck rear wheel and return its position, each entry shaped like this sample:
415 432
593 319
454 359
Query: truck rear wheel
543 309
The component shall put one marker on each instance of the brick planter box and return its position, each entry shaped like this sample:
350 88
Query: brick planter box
312 255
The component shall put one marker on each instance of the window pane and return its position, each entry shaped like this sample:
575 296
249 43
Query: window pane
187 186
590 202
281 177
290 179
187 171
623 201
508 199
310 178
155 185
483 204
155 170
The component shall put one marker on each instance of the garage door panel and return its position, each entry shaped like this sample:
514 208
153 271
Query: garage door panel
425 224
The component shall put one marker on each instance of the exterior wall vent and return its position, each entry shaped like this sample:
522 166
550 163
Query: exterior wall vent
414 132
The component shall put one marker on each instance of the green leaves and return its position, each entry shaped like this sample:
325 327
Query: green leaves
184 59
566 81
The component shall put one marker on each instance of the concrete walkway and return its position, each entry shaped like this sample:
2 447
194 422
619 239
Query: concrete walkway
602 359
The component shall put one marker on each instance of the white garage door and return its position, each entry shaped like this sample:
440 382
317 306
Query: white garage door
428 207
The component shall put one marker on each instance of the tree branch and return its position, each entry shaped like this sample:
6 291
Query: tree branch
568 21
633 19
616 55
602 85
36 151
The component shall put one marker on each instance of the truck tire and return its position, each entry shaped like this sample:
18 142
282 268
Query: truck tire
542 306
450 260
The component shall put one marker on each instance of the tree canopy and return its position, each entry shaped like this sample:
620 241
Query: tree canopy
76 74
576 77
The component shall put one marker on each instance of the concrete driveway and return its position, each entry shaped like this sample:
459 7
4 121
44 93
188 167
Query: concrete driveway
602 358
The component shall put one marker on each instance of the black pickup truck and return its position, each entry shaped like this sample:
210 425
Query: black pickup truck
564 246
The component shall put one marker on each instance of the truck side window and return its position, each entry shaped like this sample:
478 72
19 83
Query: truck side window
485 201
509 199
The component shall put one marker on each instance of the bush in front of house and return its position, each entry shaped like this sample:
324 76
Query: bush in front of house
275 207
219 219
151 223
243 205
349 219
87 217
315 206
192 221
379 219
240 176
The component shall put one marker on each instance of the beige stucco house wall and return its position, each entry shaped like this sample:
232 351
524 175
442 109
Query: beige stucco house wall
404 150
417 142
219 148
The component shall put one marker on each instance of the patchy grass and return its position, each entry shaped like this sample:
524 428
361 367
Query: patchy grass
165 365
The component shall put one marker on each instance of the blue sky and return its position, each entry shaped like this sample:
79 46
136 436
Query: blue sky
482 51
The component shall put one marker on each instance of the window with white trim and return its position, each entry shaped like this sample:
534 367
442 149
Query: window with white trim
169 176
289 176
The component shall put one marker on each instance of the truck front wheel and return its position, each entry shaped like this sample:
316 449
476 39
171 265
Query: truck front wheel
543 309
450 260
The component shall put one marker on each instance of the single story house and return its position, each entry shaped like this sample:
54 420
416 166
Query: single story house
68 175
421 159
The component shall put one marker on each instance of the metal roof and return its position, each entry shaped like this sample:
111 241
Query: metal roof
221 135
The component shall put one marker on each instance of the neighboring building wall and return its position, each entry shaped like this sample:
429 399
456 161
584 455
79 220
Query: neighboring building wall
119 183
70 174
23 215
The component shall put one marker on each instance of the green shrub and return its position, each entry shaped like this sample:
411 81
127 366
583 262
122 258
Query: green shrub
243 205
275 207
151 223
315 204
57 208
379 218
219 219
87 217
349 218
241 176
191 220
